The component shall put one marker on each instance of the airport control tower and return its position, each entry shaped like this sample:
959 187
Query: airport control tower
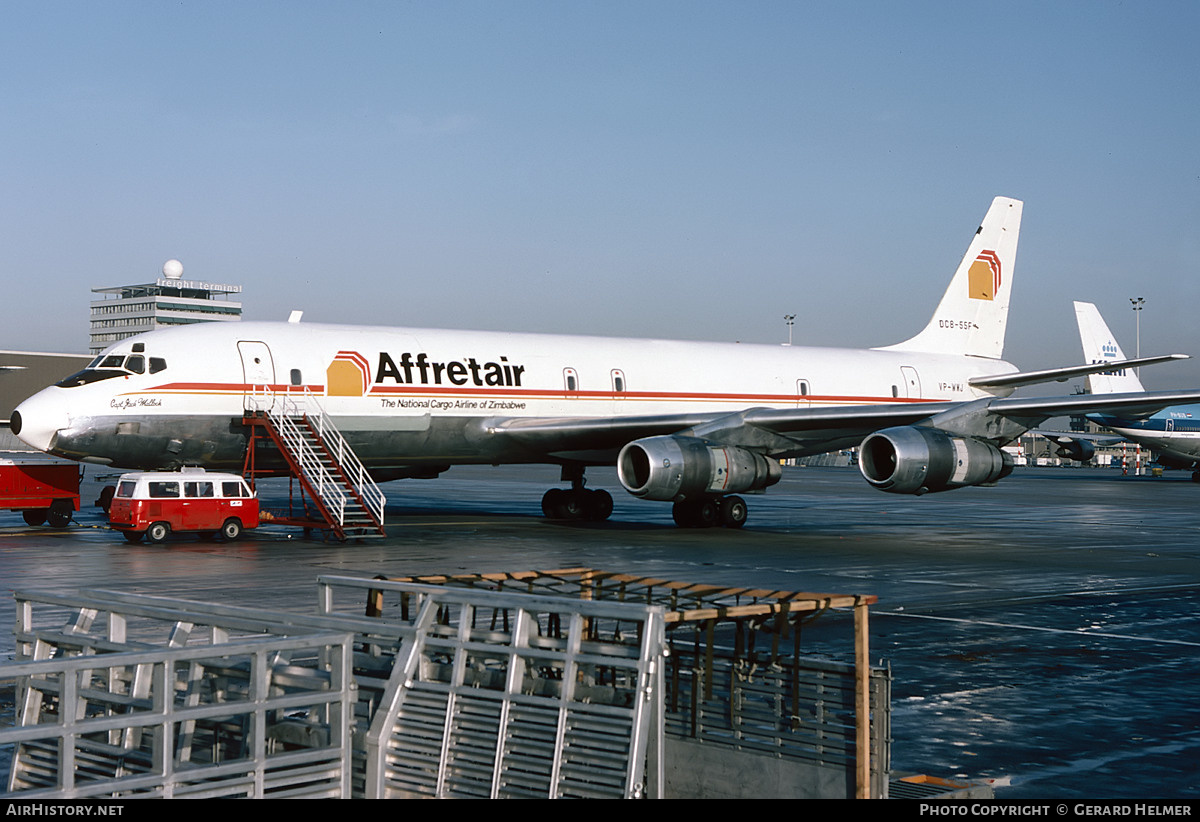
125 310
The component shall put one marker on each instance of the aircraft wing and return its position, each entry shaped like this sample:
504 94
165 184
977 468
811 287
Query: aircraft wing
788 431
806 431
1063 374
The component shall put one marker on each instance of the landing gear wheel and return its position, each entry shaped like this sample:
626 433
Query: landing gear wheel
707 513
157 532
733 512
577 504
232 529
574 504
553 503
60 513
132 536
599 505
695 513
34 516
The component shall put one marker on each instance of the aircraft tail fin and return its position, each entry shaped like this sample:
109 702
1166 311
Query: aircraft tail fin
1099 346
973 313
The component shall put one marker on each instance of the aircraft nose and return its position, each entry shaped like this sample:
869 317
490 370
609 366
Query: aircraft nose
38 419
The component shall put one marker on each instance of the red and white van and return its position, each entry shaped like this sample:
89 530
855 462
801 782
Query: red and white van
155 503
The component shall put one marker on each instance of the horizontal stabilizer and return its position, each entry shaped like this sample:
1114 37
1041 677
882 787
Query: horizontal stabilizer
1064 374
1132 404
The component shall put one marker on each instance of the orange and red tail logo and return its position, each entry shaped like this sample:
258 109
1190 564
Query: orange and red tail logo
983 278
349 375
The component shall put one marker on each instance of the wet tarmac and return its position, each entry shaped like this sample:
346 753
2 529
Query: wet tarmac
1043 633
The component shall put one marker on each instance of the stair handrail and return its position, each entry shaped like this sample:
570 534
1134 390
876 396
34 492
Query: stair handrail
284 409
331 492
280 408
356 473
368 491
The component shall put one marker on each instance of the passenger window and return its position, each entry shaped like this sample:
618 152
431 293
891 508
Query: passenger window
157 364
197 489
296 380
125 489
231 489
162 490
136 364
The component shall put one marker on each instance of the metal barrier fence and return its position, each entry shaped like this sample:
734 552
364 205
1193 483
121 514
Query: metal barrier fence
261 718
411 688
447 701
511 695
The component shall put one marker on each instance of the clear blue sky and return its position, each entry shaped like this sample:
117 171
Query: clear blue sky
670 169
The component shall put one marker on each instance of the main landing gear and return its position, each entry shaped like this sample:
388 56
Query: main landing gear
595 505
577 502
709 512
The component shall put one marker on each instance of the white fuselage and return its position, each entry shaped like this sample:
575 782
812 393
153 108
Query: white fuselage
403 396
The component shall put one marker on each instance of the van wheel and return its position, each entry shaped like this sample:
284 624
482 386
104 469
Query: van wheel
60 513
157 532
232 529
132 536
34 516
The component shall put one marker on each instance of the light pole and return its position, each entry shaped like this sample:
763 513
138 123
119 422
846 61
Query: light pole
790 319
1138 302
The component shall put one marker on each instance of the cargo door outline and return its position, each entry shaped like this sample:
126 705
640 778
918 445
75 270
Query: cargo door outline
258 374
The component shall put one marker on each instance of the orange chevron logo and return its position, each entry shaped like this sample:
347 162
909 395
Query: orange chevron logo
983 278
349 375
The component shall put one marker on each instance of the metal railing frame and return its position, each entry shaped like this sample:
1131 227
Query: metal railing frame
519 644
283 409
158 710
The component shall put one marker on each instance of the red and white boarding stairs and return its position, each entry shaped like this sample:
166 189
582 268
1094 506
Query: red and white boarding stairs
347 501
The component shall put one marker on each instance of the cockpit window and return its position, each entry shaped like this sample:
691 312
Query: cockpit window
86 376
106 366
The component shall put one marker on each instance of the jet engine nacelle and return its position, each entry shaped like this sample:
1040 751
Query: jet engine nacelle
914 460
678 468
1080 450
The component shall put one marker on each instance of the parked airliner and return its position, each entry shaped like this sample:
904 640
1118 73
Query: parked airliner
690 423
1173 432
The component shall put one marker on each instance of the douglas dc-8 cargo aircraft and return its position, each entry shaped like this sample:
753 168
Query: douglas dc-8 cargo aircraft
690 423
